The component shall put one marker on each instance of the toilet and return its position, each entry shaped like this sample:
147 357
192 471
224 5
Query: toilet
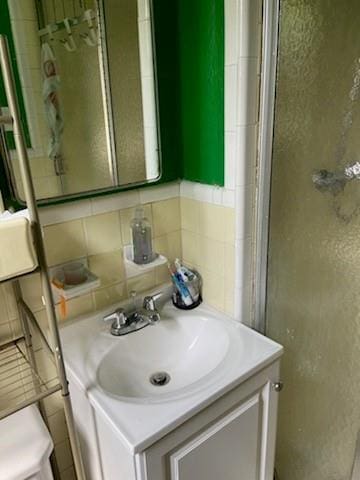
25 446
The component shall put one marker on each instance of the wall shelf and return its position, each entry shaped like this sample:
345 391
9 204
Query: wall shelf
133 269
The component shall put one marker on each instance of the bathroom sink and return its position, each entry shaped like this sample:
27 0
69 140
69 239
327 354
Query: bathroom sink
146 383
170 358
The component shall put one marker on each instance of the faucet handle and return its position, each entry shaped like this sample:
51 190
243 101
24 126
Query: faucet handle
117 316
149 306
119 320
149 302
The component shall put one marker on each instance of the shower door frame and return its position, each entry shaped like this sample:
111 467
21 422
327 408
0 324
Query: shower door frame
270 39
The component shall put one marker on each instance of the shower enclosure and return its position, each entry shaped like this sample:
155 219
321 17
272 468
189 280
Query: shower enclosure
313 277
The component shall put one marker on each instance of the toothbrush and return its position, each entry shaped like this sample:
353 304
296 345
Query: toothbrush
188 278
181 287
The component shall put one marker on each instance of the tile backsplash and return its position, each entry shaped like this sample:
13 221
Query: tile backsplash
208 244
101 238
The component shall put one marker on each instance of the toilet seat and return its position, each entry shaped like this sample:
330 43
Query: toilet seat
25 446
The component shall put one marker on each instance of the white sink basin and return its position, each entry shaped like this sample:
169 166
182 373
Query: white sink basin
185 351
204 352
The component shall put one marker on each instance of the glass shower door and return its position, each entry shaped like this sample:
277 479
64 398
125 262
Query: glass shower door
313 297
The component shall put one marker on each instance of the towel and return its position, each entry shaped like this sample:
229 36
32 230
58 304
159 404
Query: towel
16 244
50 92
6 215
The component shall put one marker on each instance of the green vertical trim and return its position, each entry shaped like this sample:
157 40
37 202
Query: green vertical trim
165 13
201 47
5 29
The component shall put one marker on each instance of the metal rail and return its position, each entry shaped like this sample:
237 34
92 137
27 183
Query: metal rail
21 384
9 84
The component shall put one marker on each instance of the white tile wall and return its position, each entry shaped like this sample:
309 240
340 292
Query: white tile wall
247 26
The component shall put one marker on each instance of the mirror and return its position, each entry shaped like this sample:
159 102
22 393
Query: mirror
88 84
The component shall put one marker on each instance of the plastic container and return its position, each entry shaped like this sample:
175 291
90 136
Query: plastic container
25 446
141 238
75 273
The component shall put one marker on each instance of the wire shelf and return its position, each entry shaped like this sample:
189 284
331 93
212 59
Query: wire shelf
20 384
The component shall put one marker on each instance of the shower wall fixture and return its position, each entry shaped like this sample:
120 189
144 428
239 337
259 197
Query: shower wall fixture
334 182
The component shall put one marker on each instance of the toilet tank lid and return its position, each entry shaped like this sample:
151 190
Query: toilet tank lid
25 444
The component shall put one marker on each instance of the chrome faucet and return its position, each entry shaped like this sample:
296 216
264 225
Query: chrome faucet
122 324
150 307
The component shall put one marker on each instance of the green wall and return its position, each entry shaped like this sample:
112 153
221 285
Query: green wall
201 68
165 13
189 39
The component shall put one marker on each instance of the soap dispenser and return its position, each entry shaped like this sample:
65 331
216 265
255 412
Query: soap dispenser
141 238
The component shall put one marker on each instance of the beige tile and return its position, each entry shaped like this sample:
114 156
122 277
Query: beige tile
169 245
5 333
64 241
211 255
162 275
109 267
229 225
190 214
109 295
213 290
166 216
142 283
126 216
57 427
103 233
46 367
16 330
63 455
10 301
229 303
4 317
32 291
211 221
76 307
190 247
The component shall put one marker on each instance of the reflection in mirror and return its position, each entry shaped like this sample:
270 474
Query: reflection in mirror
88 83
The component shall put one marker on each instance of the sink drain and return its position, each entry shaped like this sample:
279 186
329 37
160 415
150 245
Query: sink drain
159 379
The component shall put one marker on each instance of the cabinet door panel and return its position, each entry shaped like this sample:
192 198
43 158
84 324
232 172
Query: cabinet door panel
228 450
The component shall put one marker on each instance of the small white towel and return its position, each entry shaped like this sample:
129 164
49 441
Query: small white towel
50 92
17 249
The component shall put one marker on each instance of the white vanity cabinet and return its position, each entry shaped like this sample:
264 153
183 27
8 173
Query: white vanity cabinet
214 418
231 439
